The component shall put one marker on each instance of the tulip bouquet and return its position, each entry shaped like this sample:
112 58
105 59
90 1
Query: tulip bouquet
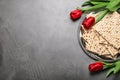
101 7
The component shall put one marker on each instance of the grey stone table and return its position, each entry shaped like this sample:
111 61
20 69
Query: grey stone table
38 41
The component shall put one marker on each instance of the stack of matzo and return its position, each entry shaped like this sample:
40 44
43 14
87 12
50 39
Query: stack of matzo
109 28
103 38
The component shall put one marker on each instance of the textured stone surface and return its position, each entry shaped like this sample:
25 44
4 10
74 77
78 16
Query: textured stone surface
38 41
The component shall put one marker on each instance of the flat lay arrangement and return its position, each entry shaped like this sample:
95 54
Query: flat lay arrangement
99 33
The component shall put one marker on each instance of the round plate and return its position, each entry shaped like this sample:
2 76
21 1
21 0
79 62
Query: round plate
90 54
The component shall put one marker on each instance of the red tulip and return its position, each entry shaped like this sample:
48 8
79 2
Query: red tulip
97 66
75 14
87 23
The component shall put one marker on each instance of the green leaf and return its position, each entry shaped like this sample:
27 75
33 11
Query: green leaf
117 67
96 3
86 3
96 7
100 0
109 72
101 15
112 4
115 8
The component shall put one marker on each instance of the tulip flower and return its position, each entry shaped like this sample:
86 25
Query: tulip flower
75 14
97 66
87 23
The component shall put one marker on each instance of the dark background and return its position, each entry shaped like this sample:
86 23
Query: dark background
38 41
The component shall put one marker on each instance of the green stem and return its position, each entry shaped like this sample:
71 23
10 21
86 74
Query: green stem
109 65
101 15
100 0
96 7
86 3
96 3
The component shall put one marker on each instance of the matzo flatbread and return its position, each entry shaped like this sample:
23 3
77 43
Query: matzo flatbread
109 28
93 43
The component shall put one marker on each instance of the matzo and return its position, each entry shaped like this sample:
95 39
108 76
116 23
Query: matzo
109 28
93 43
